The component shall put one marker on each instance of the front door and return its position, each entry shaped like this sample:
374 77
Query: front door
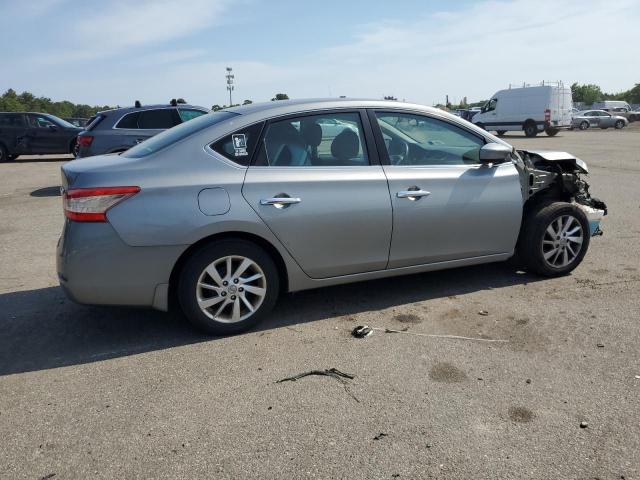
317 185
44 136
446 205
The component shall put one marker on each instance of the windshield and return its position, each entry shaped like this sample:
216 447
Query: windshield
175 134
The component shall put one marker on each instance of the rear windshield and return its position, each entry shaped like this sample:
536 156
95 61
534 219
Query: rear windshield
93 122
175 134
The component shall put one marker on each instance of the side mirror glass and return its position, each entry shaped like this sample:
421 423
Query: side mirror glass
494 153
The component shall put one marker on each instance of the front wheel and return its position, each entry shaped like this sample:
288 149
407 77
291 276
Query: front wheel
619 124
228 287
551 132
555 239
4 155
584 125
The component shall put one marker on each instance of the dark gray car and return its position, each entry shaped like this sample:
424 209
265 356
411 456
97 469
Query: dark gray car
117 130
30 133
225 211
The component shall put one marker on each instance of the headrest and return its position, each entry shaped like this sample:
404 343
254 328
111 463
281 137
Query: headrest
311 133
346 145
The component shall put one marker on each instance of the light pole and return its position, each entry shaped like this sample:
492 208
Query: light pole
230 77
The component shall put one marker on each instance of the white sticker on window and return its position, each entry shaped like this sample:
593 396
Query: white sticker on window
239 144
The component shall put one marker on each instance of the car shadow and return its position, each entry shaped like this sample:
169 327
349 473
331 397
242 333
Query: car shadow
42 159
46 192
41 329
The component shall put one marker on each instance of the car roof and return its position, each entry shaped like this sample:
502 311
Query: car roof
282 107
150 107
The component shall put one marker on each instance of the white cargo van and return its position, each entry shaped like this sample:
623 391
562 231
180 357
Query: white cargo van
530 109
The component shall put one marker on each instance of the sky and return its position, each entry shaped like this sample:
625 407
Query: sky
113 52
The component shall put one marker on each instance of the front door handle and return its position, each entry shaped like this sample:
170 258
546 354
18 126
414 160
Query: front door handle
414 193
280 201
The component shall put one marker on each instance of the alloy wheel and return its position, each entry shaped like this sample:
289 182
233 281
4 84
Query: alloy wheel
231 289
562 241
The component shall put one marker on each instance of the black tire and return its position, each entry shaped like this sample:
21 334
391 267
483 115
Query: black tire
501 132
13 157
551 132
531 248
480 125
530 129
4 154
584 125
619 125
204 257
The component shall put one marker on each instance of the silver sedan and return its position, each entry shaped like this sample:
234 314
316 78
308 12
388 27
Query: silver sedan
225 212
597 118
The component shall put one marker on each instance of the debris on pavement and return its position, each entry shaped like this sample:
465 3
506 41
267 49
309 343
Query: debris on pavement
484 313
528 380
362 331
380 436
331 372
600 345
359 332
584 424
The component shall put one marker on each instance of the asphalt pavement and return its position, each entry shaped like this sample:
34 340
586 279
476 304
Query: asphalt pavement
91 392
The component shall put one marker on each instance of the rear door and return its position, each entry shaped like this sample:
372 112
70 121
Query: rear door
446 205
319 187
13 130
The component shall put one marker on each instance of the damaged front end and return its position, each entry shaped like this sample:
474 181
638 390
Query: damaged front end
556 176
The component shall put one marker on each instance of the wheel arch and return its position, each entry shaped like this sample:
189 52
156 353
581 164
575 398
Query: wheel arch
237 235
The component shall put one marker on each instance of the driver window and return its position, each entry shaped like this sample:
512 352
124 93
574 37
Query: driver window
491 105
416 140
38 121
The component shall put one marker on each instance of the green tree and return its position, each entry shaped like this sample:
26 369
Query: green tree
280 96
247 102
216 107
586 94
390 97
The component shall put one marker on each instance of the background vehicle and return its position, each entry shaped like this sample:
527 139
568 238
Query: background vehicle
77 121
530 109
28 133
598 118
609 105
119 129
227 210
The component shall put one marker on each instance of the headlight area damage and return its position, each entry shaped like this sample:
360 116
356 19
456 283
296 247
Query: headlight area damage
557 176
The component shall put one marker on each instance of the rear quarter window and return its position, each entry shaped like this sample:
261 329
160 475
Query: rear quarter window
239 145
130 120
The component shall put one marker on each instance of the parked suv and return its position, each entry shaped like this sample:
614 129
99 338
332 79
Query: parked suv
28 133
119 129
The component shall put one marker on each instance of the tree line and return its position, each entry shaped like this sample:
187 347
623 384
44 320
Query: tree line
10 101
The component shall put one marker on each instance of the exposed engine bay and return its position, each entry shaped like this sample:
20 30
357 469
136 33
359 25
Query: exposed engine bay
557 176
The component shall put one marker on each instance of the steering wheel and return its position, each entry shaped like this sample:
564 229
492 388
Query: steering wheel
398 151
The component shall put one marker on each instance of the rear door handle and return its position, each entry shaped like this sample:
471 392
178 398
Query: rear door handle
413 194
280 202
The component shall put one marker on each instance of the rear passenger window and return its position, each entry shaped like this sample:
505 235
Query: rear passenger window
12 120
130 120
239 146
327 140
158 119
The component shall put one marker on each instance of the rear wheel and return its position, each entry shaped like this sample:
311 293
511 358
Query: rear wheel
584 125
619 124
530 129
551 132
555 239
501 132
228 287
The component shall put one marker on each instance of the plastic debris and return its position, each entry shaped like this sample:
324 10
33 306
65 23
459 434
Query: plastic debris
380 436
584 424
362 331
484 313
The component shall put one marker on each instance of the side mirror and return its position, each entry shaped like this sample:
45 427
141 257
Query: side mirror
53 128
494 153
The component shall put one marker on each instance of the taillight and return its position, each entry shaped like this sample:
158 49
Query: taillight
91 204
84 140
